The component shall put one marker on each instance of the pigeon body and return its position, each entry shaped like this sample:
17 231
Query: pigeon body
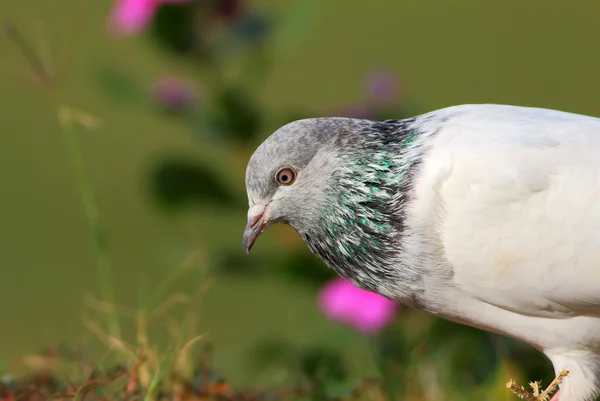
487 215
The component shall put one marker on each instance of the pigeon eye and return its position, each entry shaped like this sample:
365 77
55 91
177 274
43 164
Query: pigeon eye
285 176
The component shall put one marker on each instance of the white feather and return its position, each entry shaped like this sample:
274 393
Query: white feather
507 208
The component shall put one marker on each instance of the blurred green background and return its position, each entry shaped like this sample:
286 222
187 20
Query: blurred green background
534 53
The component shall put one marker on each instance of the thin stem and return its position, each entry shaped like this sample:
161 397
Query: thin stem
554 384
29 53
68 119
67 124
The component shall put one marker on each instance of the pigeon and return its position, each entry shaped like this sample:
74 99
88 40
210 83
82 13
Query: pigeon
487 215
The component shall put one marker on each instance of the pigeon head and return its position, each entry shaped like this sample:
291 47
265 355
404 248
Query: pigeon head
340 183
289 174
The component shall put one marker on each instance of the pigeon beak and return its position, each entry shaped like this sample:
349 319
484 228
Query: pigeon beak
256 225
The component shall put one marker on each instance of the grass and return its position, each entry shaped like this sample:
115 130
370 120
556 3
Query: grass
152 378
144 371
537 394
185 368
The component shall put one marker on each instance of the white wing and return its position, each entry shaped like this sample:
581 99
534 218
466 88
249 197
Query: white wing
521 207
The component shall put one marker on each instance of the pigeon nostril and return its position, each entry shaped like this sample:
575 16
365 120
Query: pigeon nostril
253 220
256 214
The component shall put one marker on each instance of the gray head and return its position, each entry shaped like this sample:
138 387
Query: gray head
340 183
289 173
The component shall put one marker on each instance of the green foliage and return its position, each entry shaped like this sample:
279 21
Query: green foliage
173 28
419 357
178 182
235 116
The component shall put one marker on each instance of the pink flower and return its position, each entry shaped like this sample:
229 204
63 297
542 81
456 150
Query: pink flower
367 312
131 16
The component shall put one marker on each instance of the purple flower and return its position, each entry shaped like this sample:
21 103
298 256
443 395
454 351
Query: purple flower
174 94
230 9
131 16
367 312
382 87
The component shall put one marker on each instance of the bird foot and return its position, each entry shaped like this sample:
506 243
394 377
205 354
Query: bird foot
537 394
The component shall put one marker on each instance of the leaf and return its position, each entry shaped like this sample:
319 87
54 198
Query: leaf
234 116
295 23
177 183
174 27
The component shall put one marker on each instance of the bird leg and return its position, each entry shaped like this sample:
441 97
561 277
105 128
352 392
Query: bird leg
537 394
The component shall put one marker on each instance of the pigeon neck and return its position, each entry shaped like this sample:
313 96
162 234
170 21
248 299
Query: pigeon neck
361 224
